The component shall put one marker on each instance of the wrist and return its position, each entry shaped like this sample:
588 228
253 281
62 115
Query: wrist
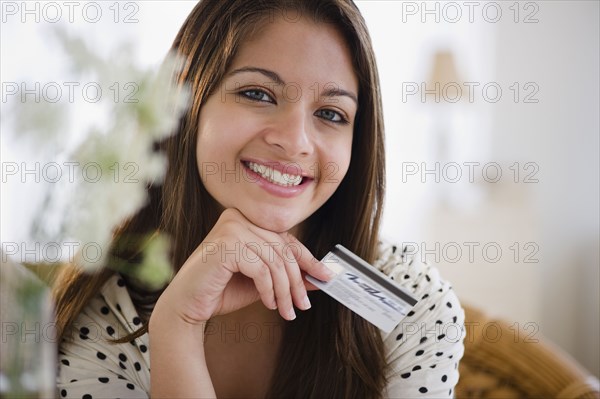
166 321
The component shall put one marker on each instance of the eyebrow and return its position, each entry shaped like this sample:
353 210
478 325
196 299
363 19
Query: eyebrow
331 92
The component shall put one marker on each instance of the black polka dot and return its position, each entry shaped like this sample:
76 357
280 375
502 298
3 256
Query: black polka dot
423 390
137 321
398 337
439 353
450 357
63 393
448 304
438 322
103 380
440 337
73 381
104 310
441 290
416 368
118 307
122 366
100 355
86 396
120 377
65 362
406 276
405 375
81 336
137 366
432 366
121 282
415 285
132 342
419 352
432 307
143 348
454 319
450 392
444 378
84 330
412 312
423 339
425 296
110 330
130 386
122 357
427 277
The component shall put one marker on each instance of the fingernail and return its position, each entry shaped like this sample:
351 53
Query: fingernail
305 303
332 269
291 314
330 273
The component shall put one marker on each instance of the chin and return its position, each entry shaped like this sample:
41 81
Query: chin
273 221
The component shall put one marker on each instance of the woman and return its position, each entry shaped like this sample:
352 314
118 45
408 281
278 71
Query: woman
279 158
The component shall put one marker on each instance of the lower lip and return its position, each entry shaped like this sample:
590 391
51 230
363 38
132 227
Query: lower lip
275 189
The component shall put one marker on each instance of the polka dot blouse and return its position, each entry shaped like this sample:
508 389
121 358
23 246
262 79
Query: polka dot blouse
423 351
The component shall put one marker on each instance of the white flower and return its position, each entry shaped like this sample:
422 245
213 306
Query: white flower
116 164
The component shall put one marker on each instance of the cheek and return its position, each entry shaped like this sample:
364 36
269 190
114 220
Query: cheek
209 150
336 163
343 154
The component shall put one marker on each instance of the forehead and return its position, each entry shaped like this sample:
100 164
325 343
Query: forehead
303 52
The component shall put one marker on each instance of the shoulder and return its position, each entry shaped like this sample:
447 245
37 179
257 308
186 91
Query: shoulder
423 351
90 363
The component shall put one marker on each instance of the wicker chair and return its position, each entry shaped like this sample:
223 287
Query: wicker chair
502 361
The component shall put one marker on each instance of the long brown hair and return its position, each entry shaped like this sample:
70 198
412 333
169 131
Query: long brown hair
328 351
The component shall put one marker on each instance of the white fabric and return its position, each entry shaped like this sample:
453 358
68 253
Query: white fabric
422 352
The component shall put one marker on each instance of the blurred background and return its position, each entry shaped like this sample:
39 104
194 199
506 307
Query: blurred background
492 125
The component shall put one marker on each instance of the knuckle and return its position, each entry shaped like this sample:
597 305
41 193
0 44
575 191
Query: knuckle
299 286
278 264
263 270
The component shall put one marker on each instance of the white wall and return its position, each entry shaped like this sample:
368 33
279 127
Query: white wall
549 281
561 134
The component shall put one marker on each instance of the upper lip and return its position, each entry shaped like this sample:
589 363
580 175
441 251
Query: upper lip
291 168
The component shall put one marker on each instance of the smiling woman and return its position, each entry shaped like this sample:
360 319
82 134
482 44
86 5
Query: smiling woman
279 158
269 111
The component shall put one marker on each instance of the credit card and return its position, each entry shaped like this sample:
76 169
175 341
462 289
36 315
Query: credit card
365 290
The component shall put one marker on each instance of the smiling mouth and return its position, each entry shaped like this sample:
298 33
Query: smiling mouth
275 176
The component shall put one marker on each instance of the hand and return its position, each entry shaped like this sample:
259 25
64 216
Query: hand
237 264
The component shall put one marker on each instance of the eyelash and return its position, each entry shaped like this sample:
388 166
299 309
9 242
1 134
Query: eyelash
244 93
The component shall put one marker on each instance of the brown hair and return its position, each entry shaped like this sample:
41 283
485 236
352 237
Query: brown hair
328 351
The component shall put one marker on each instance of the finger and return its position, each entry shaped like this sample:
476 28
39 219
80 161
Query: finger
276 265
306 260
277 248
281 285
252 266
297 287
308 286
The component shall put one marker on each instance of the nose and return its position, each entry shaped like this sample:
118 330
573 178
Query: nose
290 134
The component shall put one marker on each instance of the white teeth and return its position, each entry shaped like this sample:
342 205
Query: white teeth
275 176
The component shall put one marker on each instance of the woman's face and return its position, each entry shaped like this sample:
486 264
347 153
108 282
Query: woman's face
275 139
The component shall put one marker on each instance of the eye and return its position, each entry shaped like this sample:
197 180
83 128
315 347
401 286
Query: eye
332 116
256 95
